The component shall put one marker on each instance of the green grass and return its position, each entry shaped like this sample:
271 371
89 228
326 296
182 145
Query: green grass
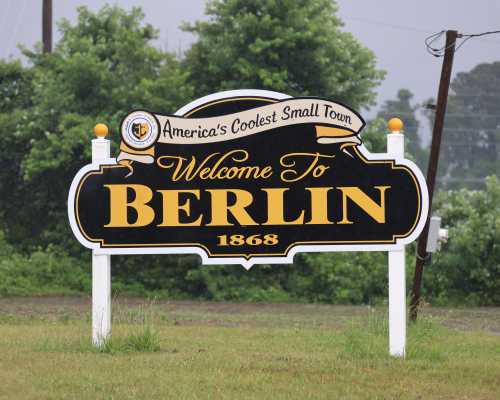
145 340
224 351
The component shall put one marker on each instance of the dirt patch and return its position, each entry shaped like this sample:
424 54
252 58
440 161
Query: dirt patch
228 314
486 319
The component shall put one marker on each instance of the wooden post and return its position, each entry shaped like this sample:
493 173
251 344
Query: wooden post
101 263
442 100
397 276
47 26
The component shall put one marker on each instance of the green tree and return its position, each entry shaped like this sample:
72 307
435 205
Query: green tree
402 108
103 66
467 269
374 134
471 138
291 46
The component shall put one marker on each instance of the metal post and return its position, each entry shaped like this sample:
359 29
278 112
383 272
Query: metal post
397 279
101 263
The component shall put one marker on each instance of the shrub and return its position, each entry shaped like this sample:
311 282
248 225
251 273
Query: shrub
49 271
467 269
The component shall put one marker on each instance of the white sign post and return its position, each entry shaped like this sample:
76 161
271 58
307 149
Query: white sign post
101 263
397 279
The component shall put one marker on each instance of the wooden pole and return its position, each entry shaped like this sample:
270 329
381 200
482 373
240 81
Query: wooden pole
47 26
442 100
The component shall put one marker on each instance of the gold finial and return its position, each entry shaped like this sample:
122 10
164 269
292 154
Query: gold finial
101 131
395 125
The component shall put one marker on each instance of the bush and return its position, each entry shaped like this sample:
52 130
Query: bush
467 269
49 271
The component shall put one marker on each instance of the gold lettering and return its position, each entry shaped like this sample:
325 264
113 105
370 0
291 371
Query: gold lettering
233 154
212 167
221 208
374 210
267 171
189 172
275 209
171 208
221 172
119 205
290 174
319 206
205 172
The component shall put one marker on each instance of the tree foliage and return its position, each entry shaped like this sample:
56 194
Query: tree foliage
106 64
467 270
374 135
290 46
402 108
103 66
471 139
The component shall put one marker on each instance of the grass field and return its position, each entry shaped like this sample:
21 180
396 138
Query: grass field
191 350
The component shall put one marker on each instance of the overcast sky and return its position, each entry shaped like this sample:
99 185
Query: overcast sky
394 29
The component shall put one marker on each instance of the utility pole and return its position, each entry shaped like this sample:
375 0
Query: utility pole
444 85
47 26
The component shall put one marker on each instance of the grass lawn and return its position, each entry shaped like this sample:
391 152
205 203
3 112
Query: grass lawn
190 350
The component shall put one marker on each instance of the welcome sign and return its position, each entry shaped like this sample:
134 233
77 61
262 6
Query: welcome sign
247 177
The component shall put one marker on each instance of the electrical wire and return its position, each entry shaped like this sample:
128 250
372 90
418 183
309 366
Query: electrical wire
405 27
477 116
5 14
439 51
6 11
431 39
16 27
450 179
480 34
387 25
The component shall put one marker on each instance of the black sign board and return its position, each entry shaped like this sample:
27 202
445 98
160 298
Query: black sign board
247 177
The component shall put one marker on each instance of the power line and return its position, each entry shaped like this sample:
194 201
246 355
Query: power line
480 34
451 129
393 26
458 95
454 114
446 179
5 13
477 116
16 26
465 144
439 51
402 27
